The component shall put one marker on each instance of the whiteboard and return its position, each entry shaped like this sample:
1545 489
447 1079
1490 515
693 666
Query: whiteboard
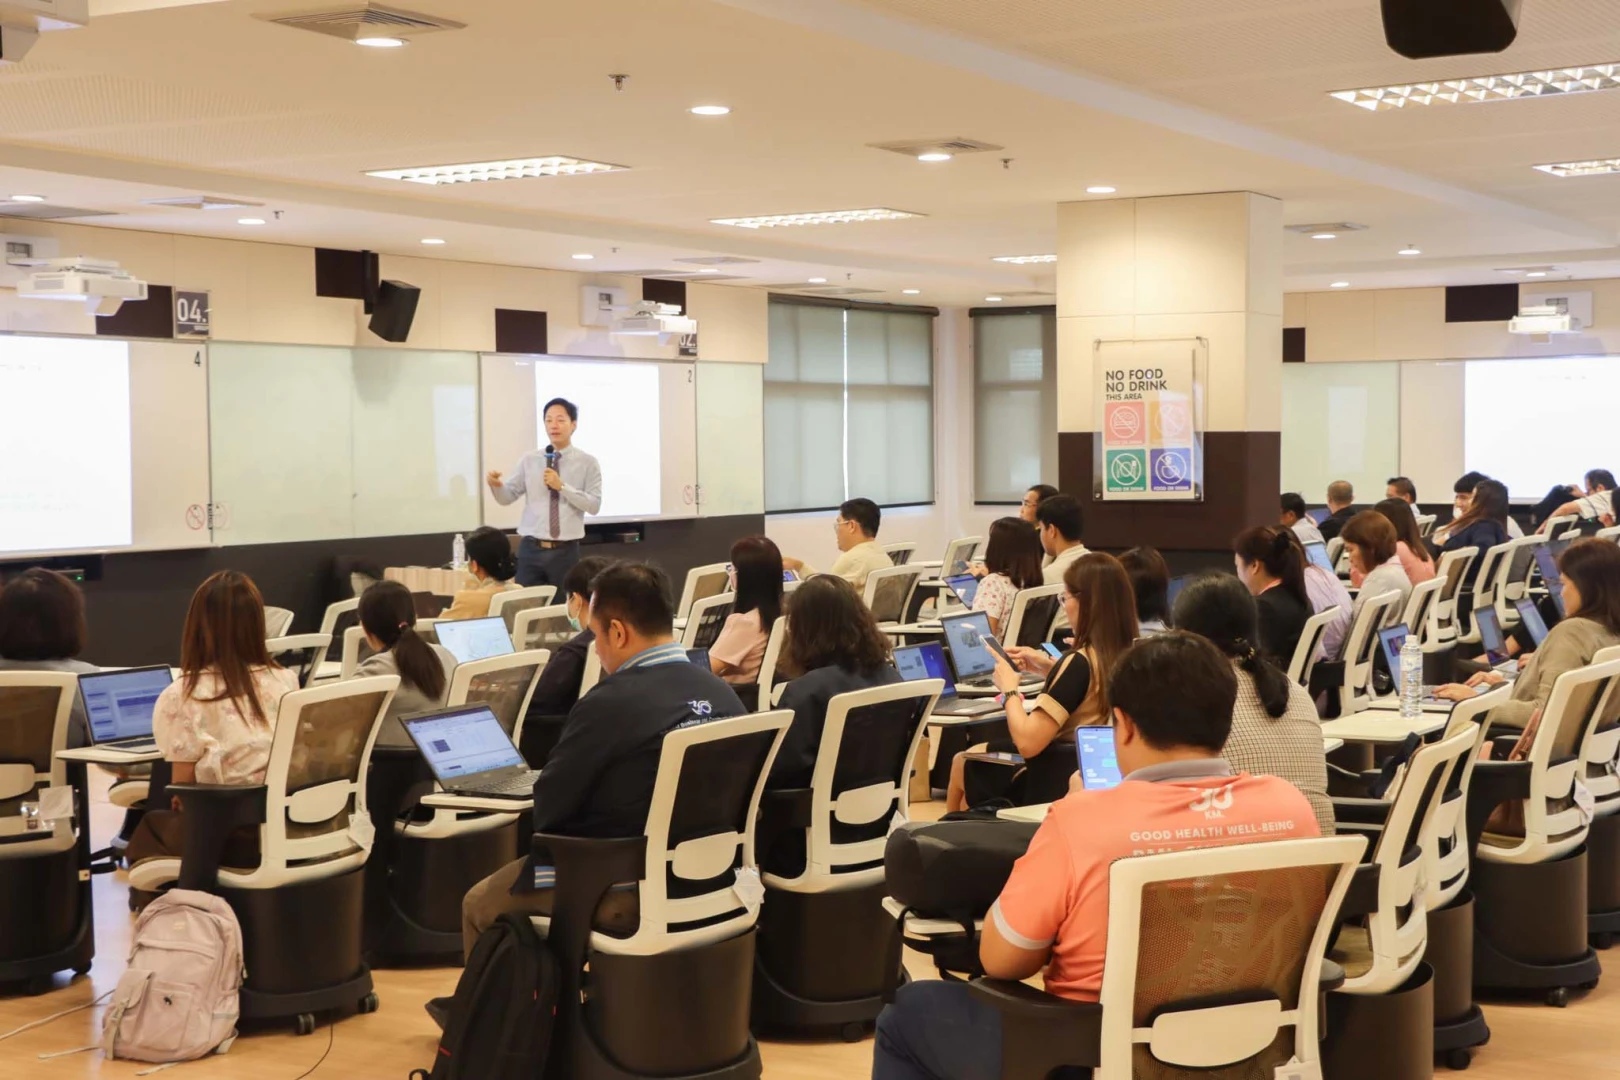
730 439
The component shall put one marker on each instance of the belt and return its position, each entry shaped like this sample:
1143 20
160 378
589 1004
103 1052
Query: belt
552 545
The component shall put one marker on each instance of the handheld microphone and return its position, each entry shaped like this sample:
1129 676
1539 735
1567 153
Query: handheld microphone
551 456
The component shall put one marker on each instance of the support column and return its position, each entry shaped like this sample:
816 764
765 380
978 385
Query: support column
1173 267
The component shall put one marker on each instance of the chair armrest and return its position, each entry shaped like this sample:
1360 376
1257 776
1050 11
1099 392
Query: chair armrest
586 869
212 813
1362 897
1493 783
1360 811
1041 1032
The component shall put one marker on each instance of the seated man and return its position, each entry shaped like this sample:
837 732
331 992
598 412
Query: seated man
1060 520
1596 505
855 531
598 781
1341 497
1295 516
1172 696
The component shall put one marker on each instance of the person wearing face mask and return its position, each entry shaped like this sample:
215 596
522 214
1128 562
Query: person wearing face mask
558 687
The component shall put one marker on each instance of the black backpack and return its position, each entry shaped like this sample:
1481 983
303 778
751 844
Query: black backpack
501 1017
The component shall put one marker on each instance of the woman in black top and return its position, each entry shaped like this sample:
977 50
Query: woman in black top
1483 525
1269 563
557 689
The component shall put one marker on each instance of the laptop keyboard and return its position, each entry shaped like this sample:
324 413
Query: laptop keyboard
515 785
134 746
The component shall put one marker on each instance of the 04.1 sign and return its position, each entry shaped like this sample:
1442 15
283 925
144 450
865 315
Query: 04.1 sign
190 314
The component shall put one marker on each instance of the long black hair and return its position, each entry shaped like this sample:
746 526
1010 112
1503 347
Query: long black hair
492 551
1218 607
757 562
1277 549
388 614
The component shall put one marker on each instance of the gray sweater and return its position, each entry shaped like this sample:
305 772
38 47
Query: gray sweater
407 699
1569 645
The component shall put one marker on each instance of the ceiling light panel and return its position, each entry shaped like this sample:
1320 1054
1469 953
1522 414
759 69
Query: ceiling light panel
511 169
1521 84
1595 167
1025 260
821 217
1321 228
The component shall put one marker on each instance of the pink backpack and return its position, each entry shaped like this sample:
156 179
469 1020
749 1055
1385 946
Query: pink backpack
178 1000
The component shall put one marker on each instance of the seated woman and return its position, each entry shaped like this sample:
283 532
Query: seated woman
491 564
1275 729
1369 541
1409 546
1150 580
1483 525
42 629
1271 563
833 647
1591 572
388 617
1012 561
1101 608
215 725
756 582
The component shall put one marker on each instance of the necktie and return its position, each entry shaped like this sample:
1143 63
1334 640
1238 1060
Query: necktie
556 514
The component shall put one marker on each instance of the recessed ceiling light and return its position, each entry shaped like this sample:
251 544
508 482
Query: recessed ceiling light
992 299
710 110
934 155
250 221
1409 249
584 256
1595 167
380 42
709 270
1324 236
817 280
1100 189
1339 285
1519 84
1023 260
911 292
28 198
512 169
820 217
432 240
1536 273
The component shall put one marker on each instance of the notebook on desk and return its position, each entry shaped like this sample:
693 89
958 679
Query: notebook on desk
119 704
470 753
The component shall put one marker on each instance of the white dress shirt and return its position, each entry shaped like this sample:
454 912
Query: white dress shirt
855 564
581 493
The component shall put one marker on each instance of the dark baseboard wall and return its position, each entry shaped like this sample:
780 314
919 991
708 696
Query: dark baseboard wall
138 605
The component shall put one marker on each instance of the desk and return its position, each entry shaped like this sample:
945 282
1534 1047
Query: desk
1034 812
106 755
444 800
1382 726
1330 745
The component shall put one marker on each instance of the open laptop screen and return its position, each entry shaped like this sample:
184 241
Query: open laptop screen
1391 639
965 586
1531 616
1490 634
119 704
1317 553
463 742
1099 762
965 636
474 639
925 661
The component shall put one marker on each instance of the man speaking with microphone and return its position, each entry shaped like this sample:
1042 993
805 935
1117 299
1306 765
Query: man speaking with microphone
562 484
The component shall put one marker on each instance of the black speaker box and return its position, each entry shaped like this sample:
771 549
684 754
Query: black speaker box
393 310
1419 29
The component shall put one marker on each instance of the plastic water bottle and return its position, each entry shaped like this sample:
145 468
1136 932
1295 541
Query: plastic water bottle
1411 678
458 553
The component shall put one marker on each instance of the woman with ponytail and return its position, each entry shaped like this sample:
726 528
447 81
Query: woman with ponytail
388 617
491 564
1275 730
1271 564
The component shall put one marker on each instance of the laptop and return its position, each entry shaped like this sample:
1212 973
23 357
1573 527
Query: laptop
119 704
475 639
1099 762
1530 615
1317 553
927 661
470 753
789 577
965 637
1319 516
965 586
1547 560
700 657
1492 641
1390 640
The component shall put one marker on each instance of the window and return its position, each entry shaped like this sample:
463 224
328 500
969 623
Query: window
849 406
1015 403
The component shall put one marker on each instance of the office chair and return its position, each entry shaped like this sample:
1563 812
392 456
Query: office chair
888 595
306 651
1034 616
1338 557
356 650
542 628
301 907
593 671
339 616
701 582
1215 968
1425 523
1513 578
900 554
1530 879
46 913
1360 645
1381 1021
1601 752
1612 532
277 621
509 604
1419 611
707 619
1308 650
1555 527
670 1000
959 554
827 948
1445 627
770 684
1487 583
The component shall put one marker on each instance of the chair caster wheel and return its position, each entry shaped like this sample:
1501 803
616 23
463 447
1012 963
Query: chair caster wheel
852 1032
306 1024
1558 997
1602 941
368 1004
1457 1060
39 984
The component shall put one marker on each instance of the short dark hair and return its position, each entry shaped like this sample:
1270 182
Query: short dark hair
1600 478
1293 503
41 617
756 562
830 626
1064 514
568 406
1150 580
577 582
1042 492
489 548
636 594
1177 689
863 512
1403 487
1014 549
1467 482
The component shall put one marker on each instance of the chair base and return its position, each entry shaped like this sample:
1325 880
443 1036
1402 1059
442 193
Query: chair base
417 917
1459 1024
43 902
1530 927
1390 1036
1603 881
301 948
824 960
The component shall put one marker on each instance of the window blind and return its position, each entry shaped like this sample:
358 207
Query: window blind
1015 404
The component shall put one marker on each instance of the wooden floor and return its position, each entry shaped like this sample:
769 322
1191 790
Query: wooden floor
1529 1040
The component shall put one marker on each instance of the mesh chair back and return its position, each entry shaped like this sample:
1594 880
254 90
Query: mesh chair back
1360 645
1419 613
504 683
888 591
301 652
1215 956
1602 750
861 782
1034 616
34 711
701 583
336 621
1452 569
900 554
1487 583
1336 554
1445 844
1309 648
542 628
277 621
509 603
1516 570
708 618
700 831
768 675
959 555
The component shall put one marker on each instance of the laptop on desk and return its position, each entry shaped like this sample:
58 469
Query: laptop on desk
1530 615
965 586
1494 643
1547 561
927 661
965 637
1317 553
475 639
118 705
470 753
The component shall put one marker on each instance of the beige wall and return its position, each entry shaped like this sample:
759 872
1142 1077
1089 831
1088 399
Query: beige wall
263 292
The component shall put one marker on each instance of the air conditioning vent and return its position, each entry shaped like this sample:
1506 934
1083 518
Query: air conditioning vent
201 202
365 20
46 212
1326 227
842 290
716 260
678 275
953 145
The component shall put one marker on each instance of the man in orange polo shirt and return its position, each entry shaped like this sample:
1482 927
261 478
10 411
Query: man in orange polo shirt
1172 698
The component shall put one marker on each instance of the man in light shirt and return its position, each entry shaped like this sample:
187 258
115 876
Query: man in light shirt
1596 505
855 531
561 484
1294 516
1060 520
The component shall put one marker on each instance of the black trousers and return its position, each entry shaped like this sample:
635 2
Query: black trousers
538 565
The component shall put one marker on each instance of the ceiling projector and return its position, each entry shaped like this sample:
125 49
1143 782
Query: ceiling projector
648 319
1545 319
96 283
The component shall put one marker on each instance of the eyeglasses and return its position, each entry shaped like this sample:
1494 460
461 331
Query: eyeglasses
839 523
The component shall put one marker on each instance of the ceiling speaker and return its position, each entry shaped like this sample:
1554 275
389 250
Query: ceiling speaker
1419 29
393 310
